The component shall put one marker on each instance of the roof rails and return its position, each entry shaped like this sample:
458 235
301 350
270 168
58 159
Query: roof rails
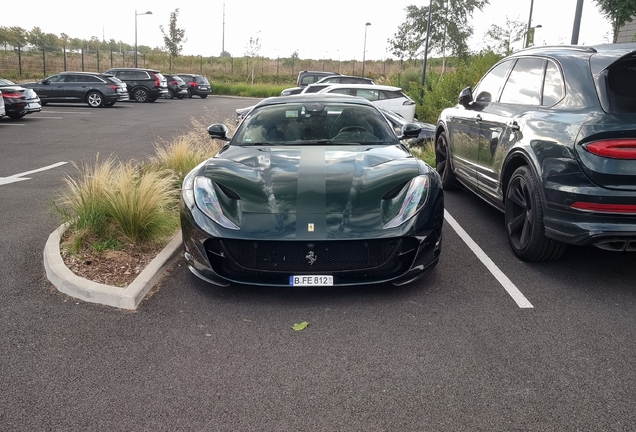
581 48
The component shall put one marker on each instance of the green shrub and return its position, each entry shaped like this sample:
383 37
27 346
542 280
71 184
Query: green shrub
82 203
142 204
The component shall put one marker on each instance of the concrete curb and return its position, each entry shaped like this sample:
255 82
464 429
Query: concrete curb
125 298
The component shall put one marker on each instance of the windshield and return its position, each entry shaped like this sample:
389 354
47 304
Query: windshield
314 123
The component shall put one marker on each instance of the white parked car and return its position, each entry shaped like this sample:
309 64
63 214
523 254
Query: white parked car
391 98
2 111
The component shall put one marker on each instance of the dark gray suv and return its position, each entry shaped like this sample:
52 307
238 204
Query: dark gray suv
144 85
548 136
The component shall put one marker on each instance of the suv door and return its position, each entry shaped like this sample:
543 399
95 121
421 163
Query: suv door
464 124
502 122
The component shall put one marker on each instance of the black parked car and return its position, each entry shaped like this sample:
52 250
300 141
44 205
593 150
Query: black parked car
548 136
144 85
177 88
95 89
18 101
312 190
198 85
427 134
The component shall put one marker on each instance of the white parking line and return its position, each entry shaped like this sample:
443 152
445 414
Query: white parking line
54 118
67 112
12 124
512 290
20 177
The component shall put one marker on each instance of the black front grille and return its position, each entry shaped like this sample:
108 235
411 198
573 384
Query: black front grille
310 256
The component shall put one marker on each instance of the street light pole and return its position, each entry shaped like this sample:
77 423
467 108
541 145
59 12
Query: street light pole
525 39
366 26
136 14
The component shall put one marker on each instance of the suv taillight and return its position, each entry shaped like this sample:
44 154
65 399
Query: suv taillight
174 82
613 148
193 84
12 95
114 87
157 81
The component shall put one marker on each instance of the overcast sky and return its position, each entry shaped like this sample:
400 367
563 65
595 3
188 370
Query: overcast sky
334 29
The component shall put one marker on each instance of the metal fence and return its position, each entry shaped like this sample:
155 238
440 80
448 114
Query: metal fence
34 64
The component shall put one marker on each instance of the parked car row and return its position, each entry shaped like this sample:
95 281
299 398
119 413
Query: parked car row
99 89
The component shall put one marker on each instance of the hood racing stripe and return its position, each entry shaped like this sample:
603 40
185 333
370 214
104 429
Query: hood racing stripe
311 194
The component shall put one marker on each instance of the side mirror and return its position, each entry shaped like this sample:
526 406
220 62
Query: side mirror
218 131
466 97
410 130
45 81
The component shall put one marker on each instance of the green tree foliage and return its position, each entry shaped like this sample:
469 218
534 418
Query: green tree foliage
502 38
449 28
618 12
174 38
43 41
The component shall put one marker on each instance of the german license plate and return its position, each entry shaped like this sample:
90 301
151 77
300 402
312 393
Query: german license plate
310 280
204 88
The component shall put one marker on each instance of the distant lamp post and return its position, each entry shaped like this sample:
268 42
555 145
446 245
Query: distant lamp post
136 15
366 26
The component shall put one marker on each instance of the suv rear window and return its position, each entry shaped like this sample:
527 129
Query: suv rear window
621 79
201 80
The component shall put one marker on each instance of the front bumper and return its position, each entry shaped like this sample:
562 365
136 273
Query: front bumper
217 259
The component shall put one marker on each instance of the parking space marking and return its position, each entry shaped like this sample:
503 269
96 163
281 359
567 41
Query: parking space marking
20 177
54 118
12 124
512 290
68 112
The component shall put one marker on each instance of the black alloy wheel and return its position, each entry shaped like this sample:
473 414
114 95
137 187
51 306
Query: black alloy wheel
189 93
141 95
442 163
524 219
95 99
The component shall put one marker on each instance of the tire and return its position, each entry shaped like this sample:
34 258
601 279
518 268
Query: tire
95 99
43 103
189 93
141 95
203 96
15 116
109 104
180 96
442 163
524 219
170 94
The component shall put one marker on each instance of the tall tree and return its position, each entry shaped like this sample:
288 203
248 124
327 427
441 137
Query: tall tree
449 28
504 37
174 38
618 12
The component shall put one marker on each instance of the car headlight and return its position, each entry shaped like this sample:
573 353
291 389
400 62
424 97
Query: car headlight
200 191
413 200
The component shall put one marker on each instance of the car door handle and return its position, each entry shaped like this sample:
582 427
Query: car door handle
514 125
478 118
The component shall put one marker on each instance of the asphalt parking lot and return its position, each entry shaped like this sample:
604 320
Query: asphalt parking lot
486 342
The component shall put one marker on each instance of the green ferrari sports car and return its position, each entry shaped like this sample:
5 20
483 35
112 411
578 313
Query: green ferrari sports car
312 190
